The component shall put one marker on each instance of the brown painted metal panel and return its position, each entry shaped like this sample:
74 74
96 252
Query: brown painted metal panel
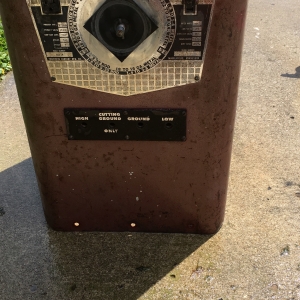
108 185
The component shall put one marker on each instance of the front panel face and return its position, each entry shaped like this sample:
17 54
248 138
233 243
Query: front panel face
123 47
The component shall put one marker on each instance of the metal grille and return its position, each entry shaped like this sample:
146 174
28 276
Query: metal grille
165 75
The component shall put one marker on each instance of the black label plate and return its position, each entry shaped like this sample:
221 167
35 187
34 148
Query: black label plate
54 34
191 33
126 124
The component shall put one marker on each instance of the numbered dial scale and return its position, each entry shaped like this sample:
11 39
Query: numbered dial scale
123 47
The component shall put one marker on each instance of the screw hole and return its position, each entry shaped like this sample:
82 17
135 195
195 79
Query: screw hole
140 125
112 125
84 124
169 125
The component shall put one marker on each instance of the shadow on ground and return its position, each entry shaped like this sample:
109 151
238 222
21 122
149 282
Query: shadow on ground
89 265
296 75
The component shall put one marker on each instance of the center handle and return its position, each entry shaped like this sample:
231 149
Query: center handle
120 30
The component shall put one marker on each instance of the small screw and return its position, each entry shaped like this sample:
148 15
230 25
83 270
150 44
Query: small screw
67 112
184 113
53 78
71 137
197 78
127 137
184 138
125 113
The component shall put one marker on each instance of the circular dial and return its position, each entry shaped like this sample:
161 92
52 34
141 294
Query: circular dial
121 36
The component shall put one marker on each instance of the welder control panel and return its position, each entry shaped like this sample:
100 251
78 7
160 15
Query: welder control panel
123 47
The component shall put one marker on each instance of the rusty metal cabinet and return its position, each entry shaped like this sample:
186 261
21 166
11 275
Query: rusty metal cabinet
129 108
